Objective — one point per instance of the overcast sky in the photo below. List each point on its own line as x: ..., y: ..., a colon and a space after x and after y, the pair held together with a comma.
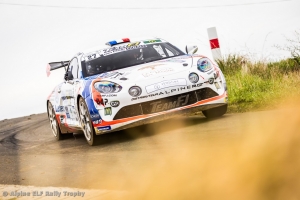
x: 35, y: 32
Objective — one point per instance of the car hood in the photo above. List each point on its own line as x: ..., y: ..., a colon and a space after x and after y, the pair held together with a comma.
x: 151, y: 70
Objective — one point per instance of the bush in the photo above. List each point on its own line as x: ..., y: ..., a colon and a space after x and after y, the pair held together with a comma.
x: 259, y: 85
x: 293, y: 46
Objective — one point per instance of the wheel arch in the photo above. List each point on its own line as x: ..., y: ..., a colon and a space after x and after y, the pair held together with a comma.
x: 77, y: 102
x: 47, y: 106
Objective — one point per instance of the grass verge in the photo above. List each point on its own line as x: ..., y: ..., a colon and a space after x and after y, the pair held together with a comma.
x: 259, y: 85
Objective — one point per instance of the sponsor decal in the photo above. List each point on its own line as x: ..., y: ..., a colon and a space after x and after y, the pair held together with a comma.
x: 115, y: 103
x: 133, y: 44
x: 62, y: 118
x: 107, y: 111
x: 97, y: 121
x: 105, y: 101
x: 67, y: 112
x: 95, y: 116
x: 66, y: 97
x: 70, y: 112
x: 174, y: 61
x: 156, y: 71
x: 151, y: 41
x: 112, y: 74
x: 109, y: 95
x: 170, y: 91
x: 60, y: 109
x: 211, y: 80
x: 126, y: 47
x: 217, y: 85
x: 150, y: 67
x: 165, y: 84
x: 108, y: 74
x: 104, y: 128
x: 216, y: 75
x: 158, y: 106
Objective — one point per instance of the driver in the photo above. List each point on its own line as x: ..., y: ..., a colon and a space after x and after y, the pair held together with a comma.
x: 138, y: 54
x: 91, y: 70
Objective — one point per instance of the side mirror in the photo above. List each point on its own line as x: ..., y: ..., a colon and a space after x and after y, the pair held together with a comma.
x: 68, y: 76
x: 191, y: 49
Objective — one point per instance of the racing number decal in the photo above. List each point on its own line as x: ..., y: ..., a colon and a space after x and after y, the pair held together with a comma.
x: 92, y: 56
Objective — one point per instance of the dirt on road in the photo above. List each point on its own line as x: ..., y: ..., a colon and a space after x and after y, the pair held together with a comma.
x: 251, y: 155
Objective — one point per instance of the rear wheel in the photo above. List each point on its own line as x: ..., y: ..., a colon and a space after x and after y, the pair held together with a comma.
x: 54, y: 124
x: 215, y: 112
x: 86, y: 123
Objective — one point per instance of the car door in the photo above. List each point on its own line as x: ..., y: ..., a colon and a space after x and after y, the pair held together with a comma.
x: 68, y: 92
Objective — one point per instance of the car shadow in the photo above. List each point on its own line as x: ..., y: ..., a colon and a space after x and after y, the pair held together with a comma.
x: 150, y: 130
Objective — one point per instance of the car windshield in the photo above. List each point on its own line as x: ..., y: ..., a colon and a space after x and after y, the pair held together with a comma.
x: 127, y: 55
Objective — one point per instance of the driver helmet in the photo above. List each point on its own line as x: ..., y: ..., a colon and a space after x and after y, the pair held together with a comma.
x: 90, y: 69
x: 138, y: 54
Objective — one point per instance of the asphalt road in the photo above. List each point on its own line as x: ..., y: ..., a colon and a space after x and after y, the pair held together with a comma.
x: 30, y: 155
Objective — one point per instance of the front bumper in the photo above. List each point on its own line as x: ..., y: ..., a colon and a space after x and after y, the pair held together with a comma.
x: 135, y: 115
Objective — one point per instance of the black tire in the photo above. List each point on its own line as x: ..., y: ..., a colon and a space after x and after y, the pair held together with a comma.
x: 54, y: 125
x: 86, y: 122
x: 215, y: 112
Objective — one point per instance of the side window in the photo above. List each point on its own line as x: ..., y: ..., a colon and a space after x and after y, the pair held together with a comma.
x: 73, y: 67
x: 171, y: 51
x: 159, y: 50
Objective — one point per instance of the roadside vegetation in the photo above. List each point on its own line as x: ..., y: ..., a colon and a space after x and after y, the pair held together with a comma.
x: 262, y: 85
x: 259, y: 85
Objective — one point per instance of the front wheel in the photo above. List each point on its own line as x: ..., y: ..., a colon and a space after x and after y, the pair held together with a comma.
x: 86, y: 123
x: 215, y: 112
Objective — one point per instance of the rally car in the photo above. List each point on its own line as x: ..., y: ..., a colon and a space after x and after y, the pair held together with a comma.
x: 128, y: 83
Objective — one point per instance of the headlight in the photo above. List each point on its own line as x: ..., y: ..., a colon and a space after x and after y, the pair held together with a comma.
x: 107, y: 87
x: 135, y: 91
x: 204, y: 65
x: 193, y: 77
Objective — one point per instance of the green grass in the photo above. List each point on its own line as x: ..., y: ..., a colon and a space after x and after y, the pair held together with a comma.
x: 259, y: 85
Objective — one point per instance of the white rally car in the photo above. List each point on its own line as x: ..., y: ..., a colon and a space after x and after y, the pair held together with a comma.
x: 128, y: 83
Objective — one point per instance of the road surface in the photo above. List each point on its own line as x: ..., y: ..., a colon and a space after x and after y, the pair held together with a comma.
x: 123, y: 160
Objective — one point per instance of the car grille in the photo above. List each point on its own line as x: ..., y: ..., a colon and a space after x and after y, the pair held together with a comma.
x: 165, y: 104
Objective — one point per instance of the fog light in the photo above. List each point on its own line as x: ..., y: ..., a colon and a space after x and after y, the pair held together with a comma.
x: 135, y: 91
x: 193, y: 77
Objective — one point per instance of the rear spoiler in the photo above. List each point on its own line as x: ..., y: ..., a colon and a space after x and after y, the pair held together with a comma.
x: 56, y: 65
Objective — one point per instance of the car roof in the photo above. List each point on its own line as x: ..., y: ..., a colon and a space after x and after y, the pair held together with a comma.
x: 132, y: 40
